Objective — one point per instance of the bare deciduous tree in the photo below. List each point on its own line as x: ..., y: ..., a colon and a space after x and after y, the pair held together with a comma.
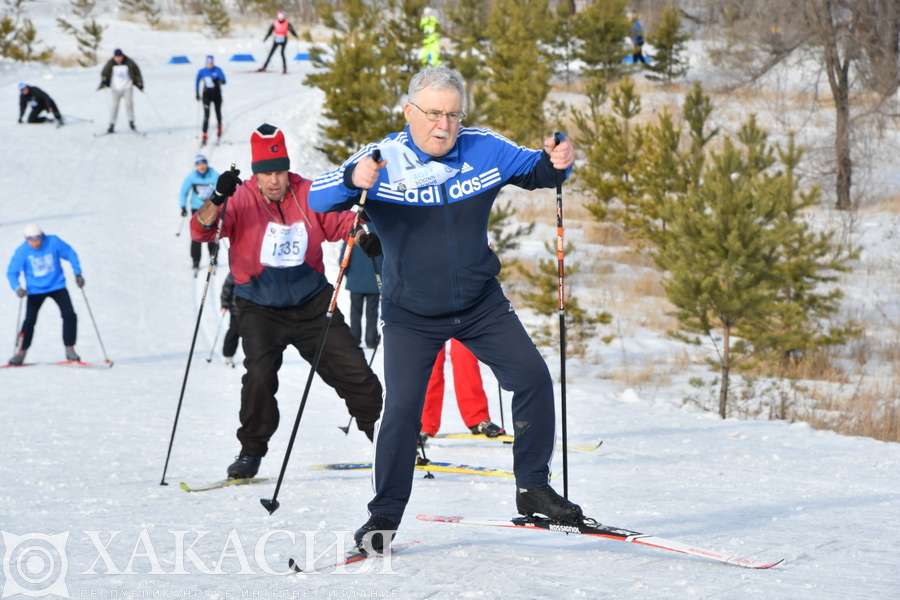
x: 854, y: 42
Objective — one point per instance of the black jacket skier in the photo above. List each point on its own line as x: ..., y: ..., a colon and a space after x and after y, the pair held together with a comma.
x: 39, y: 101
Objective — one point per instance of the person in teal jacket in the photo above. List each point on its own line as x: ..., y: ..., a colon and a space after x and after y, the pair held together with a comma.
x: 198, y: 187
x: 38, y: 259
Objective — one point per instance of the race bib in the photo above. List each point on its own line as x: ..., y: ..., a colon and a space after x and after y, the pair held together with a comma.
x: 42, y: 265
x: 33, y: 104
x: 205, y: 191
x: 279, y: 39
x: 208, y: 82
x: 284, y: 246
x: 406, y: 171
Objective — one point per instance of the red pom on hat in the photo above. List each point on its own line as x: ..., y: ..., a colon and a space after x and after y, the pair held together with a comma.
x: 268, y: 150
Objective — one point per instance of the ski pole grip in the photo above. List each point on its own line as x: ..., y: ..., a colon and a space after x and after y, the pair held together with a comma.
x: 558, y: 137
x: 376, y: 155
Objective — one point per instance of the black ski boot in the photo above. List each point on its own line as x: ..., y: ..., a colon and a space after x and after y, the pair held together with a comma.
x: 112, y: 129
x: 488, y: 429
x: 18, y: 358
x: 368, y: 537
x: 131, y: 124
x: 546, y: 501
x: 71, y: 355
x: 244, y: 467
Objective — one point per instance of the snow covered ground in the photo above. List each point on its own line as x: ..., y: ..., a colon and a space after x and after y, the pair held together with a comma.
x: 85, y: 448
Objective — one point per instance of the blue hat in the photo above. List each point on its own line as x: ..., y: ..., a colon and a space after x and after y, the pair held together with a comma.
x: 22, y: 86
x: 117, y: 52
x: 200, y: 159
x: 209, y: 58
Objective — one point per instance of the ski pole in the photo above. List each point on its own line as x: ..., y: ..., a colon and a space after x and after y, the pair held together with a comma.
x: 79, y: 119
x: 212, y: 263
x: 159, y: 116
x: 346, y: 429
x: 560, y: 251
x: 218, y: 331
x: 272, y: 505
x: 18, y: 325
x: 90, y: 312
x: 181, y: 226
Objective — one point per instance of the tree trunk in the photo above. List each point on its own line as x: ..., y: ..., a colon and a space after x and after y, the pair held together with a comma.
x: 726, y: 367
x: 838, y: 79
x: 842, y: 149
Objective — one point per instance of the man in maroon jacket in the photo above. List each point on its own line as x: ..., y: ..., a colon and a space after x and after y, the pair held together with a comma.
x: 282, y: 293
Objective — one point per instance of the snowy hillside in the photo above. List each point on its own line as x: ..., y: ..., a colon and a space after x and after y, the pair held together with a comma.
x: 85, y: 447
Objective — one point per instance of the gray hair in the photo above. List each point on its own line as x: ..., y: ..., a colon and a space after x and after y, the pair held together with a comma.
x: 438, y: 79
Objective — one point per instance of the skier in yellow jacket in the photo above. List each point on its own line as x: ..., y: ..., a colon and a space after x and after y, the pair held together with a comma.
x: 431, y: 43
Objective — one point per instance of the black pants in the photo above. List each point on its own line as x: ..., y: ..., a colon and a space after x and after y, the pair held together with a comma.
x: 231, y: 336
x: 638, y: 56
x: 356, y: 311
x: 195, y: 246
x: 33, y: 305
x: 212, y: 96
x: 272, y: 51
x: 265, y: 334
x: 34, y: 115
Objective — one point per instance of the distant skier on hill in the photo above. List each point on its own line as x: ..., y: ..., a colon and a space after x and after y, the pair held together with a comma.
x: 213, y: 79
x: 39, y: 101
x: 280, y: 27
x: 199, y: 186
x: 120, y: 74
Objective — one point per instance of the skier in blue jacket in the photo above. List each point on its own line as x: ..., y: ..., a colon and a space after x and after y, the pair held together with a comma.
x: 213, y: 79
x: 431, y: 208
x: 199, y: 186
x: 38, y: 258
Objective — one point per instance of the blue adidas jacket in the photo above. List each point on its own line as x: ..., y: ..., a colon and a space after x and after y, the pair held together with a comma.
x: 211, y: 78
x: 437, y: 262
x: 199, y: 187
x: 43, y: 271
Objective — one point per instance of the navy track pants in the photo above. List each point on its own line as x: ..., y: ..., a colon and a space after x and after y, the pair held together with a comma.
x: 497, y: 338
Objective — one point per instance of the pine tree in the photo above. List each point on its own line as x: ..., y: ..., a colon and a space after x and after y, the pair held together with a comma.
x: 519, y: 71
x: 362, y: 85
x: 609, y: 144
x: 147, y: 8
x: 215, y: 16
x: 467, y: 32
x: 543, y: 280
x: 669, y: 61
x: 564, y: 41
x: 602, y: 26
x: 743, y: 265
x: 18, y: 35
x: 504, y: 237
x: 404, y: 33
x: 87, y: 37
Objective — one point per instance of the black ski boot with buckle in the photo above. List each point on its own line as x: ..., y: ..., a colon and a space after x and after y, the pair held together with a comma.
x: 546, y: 501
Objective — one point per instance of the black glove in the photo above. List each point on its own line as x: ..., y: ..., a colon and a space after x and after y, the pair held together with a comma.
x: 226, y: 186
x: 370, y: 244
x: 183, y: 211
x: 79, y: 280
x: 21, y: 292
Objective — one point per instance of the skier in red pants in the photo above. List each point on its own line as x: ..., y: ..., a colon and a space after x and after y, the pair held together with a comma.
x: 470, y: 397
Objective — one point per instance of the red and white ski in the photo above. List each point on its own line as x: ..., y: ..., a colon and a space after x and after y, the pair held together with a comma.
x: 592, y: 527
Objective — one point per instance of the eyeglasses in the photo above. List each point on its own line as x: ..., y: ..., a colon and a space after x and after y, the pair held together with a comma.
x: 436, y: 115
x: 34, y: 238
